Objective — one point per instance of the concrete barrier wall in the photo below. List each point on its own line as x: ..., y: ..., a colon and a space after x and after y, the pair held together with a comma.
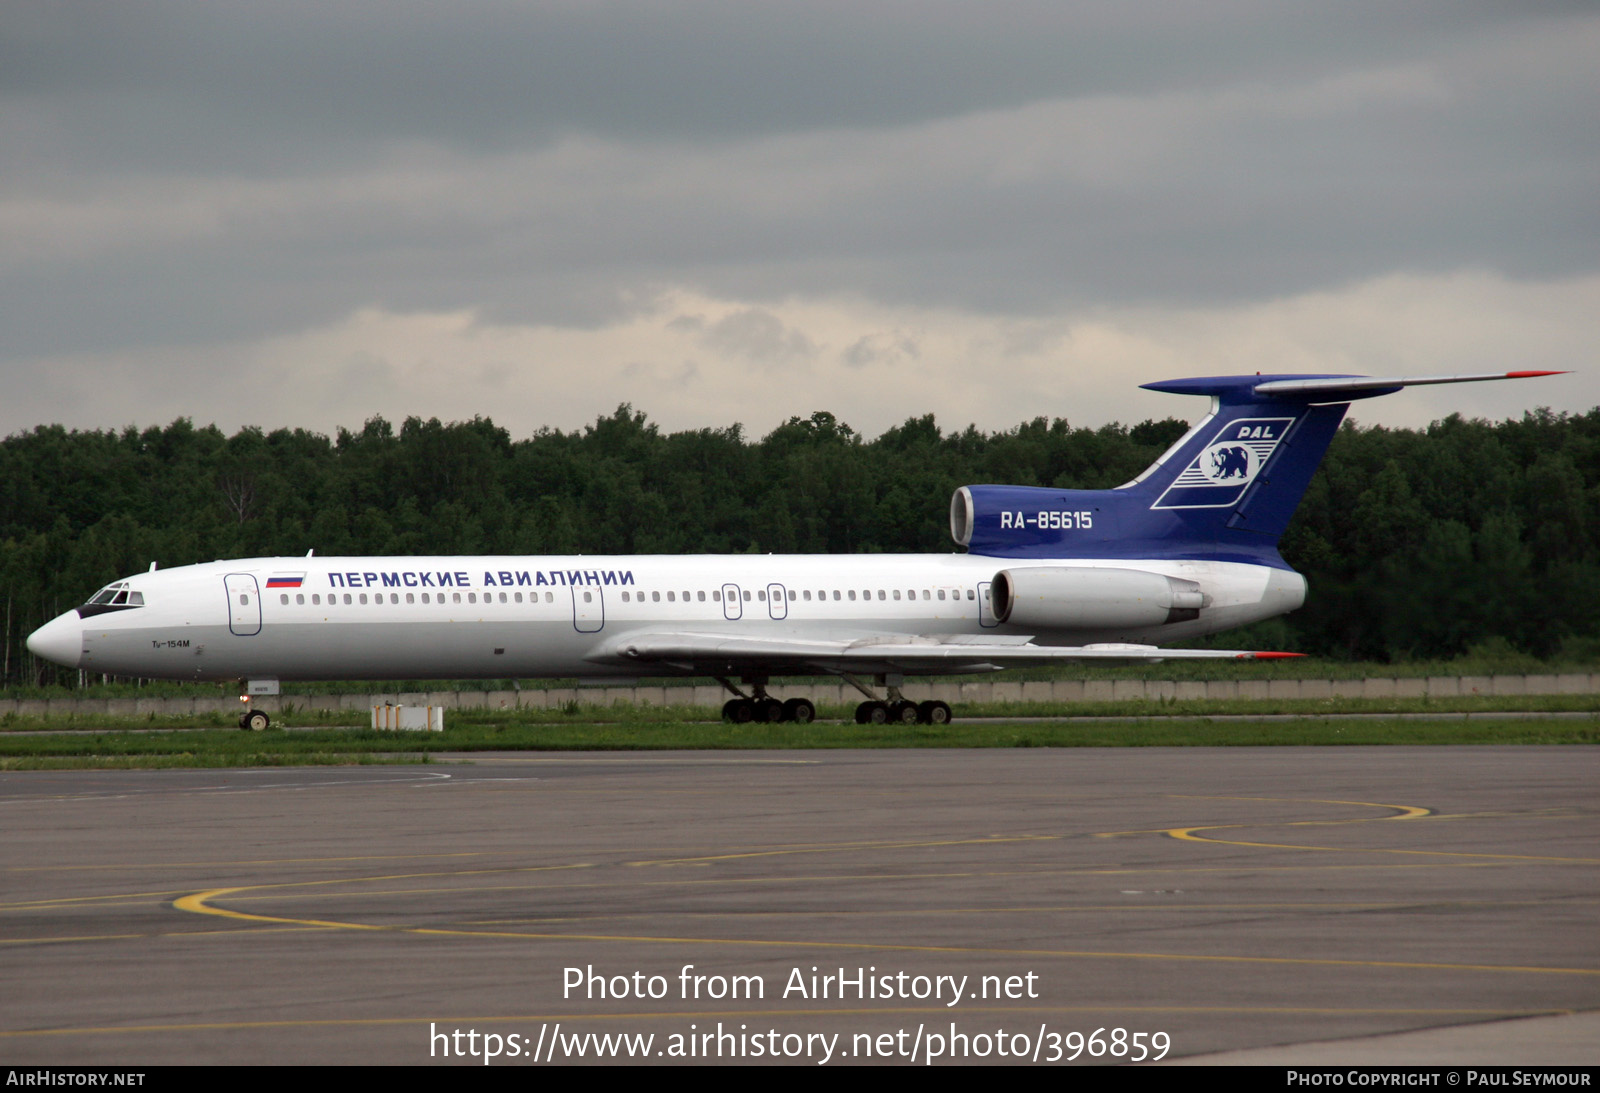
x: 979, y: 690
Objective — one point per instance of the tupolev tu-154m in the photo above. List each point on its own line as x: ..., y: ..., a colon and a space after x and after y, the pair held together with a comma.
x: 1188, y: 548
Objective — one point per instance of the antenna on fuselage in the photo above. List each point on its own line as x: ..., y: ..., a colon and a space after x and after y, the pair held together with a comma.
x: 152, y: 567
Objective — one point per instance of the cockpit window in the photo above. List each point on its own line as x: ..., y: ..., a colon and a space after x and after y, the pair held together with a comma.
x: 108, y: 593
x: 113, y: 597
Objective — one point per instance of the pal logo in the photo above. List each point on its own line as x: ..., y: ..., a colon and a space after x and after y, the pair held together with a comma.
x: 1217, y: 477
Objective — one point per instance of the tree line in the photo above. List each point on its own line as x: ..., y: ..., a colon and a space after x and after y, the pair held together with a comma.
x: 1416, y: 543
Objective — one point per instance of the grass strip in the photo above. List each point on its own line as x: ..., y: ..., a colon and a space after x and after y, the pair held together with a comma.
x: 332, y: 747
x: 577, y: 714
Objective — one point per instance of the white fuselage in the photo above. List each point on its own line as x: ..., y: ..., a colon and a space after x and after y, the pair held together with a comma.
x: 508, y: 617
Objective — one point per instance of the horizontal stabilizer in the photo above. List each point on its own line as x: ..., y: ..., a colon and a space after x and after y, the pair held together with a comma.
x: 1351, y: 387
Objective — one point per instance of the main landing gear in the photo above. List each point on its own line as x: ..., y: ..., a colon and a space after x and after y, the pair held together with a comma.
x: 898, y: 710
x: 762, y: 707
x: 903, y: 712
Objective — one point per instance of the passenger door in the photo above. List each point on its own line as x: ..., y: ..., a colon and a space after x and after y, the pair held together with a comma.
x: 588, y: 608
x: 244, y: 604
x: 777, y: 601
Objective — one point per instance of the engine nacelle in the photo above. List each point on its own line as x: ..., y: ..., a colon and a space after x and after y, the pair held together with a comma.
x: 1087, y: 598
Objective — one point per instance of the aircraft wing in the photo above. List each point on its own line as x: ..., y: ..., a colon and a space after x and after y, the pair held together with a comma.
x: 721, y: 654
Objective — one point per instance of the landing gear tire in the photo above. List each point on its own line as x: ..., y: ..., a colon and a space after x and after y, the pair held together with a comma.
x: 934, y: 713
x: 255, y: 721
x: 872, y: 713
x: 769, y: 711
x: 741, y: 711
x: 903, y: 712
x: 800, y: 711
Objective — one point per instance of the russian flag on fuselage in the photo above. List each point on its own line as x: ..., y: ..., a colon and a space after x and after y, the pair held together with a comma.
x: 285, y: 580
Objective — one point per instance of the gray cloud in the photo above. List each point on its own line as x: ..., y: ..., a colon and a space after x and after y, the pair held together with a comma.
x: 181, y: 173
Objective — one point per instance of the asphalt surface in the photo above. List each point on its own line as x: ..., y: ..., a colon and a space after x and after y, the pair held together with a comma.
x: 1332, y: 905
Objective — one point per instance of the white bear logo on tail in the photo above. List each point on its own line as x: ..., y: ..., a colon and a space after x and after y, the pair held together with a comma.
x: 1229, y: 463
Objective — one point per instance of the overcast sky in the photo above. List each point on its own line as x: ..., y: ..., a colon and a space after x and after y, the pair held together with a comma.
x: 307, y: 214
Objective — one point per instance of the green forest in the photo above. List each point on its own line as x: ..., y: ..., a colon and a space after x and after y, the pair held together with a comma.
x: 1416, y: 543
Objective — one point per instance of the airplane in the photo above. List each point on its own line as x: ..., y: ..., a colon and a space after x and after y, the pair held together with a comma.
x: 1188, y: 548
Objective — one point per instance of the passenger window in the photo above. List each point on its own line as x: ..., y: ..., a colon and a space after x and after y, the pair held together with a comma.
x: 925, y: 594
x: 671, y: 598
x: 299, y: 599
x: 686, y: 597
x: 394, y: 597
x: 347, y: 597
x: 881, y: 596
x: 791, y: 595
x: 808, y: 595
x: 316, y: 598
x: 502, y: 597
x: 702, y: 596
x: 655, y: 597
x: 518, y: 597
x: 762, y: 596
x: 244, y: 601
x: 588, y: 597
x: 852, y: 593
x: 970, y: 596
x: 747, y: 597
x: 455, y: 596
x: 897, y: 593
x: 283, y: 598
x: 363, y: 597
x: 836, y: 594
x: 941, y: 593
x: 716, y: 596
x: 411, y: 597
x: 549, y: 597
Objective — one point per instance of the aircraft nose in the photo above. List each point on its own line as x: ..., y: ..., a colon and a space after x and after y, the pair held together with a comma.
x: 59, y: 640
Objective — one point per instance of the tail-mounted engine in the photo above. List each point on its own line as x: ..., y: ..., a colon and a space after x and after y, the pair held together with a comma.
x: 1092, y: 598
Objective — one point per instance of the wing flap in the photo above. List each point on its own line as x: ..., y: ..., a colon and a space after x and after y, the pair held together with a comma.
x: 718, y: 653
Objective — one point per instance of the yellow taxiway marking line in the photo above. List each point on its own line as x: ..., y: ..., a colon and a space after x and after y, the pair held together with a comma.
x: 627, y: 762
x: 144, y: 898
x: 60, y: 901
x: 824, y: 848
x: 1401, y: 812
x: 146, y: 937
x: 245, y: 861
x: 685, y: 1015
x: 200, y: 903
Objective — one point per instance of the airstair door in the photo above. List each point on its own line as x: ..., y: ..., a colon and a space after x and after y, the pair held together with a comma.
x: 986, y: 606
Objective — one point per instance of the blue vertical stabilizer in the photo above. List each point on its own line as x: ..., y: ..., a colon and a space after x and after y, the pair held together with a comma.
x: 1224, y: 492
